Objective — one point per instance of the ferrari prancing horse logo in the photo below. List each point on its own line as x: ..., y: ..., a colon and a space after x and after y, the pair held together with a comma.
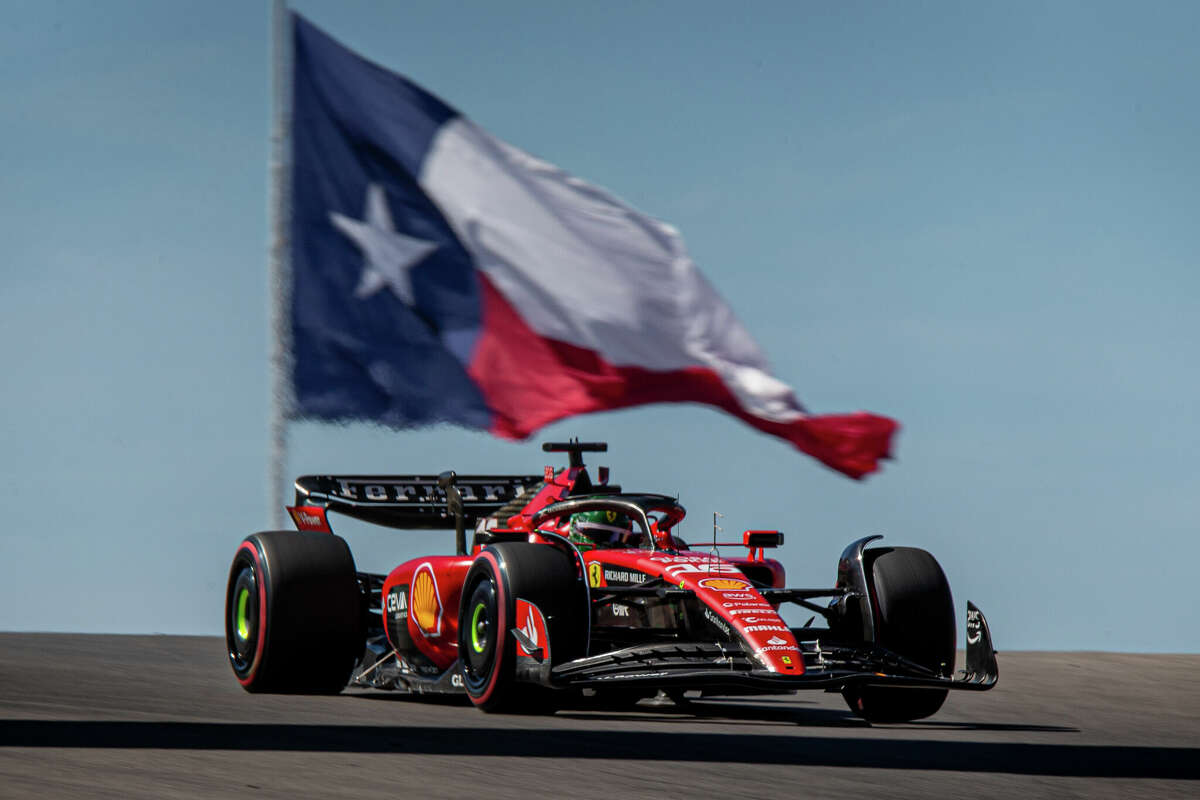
x: 596, y: 574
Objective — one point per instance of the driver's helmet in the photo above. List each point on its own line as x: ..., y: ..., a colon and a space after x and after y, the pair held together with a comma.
x: 600, y: 529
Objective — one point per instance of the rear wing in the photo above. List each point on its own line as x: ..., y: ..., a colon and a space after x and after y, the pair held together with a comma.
x: 413, y: 501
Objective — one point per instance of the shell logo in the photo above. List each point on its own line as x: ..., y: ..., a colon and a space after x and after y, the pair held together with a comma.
x: 424, y: 602
x: 725, y: 584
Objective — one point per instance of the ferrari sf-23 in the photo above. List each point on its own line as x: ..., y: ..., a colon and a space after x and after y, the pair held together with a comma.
x: 575, y: 591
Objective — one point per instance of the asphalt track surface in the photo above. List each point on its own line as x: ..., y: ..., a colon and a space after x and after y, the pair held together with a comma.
x: 162, y: 717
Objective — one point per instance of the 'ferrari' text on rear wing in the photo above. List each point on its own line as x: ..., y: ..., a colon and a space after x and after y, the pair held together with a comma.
x: 411, y: 501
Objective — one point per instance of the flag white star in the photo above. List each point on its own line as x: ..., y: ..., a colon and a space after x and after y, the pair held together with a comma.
x: 389, y: 256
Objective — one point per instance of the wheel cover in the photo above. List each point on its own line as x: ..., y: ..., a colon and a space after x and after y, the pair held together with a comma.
x: 479, y: 627
x: 478, y: 637
x: 242, y: 622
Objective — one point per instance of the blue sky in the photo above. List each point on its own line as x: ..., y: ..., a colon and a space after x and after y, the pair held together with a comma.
x: 977, y: 220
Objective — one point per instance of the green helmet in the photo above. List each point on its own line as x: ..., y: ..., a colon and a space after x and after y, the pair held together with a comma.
x: 600, y: 528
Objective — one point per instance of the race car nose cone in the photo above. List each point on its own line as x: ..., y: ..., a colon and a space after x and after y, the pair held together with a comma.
x: 734, y: 608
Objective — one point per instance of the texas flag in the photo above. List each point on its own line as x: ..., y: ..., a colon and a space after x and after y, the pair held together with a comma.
x: 439, y: 274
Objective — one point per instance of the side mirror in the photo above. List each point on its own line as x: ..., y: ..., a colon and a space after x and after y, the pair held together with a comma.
x: 757, y: 539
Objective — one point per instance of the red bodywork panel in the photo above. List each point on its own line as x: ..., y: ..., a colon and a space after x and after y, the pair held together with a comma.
x: 310, y: 518
x: 556, y: 488
x: 532, y: 623
x: 433, y: 592
x: 732, y: 603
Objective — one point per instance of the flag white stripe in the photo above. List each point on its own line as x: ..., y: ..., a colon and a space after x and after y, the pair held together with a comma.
x: 584, y: 268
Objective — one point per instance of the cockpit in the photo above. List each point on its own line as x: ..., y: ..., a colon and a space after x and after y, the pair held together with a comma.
x: 619, y: 521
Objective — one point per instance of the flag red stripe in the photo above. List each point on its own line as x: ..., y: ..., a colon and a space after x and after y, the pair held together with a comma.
x: 529, y: 381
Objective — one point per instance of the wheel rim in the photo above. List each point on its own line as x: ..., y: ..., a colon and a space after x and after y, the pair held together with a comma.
x: 243, y: 624
x: 479, y: 635
x: 243, y: 620
x: 479, y: 628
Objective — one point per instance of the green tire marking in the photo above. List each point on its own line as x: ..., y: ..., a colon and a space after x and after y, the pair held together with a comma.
x: 243, y: 624
x: 476, y: 643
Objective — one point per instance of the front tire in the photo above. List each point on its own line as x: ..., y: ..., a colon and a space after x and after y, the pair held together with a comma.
x: 540, y: 574
x: 916, y: 620
x: 293, y: 613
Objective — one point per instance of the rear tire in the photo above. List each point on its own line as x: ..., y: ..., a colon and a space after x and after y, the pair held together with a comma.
x: 916, y: 620
x: 293, y: 613
x: 540, y: 574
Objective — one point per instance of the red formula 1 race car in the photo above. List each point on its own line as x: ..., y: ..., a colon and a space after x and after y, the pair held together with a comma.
x: 574, y: 591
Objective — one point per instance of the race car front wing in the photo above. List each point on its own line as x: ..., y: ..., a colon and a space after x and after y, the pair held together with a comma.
x: 709, y: 665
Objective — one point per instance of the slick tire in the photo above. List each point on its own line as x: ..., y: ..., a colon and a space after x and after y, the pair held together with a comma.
x: 293, y: 613
x: 916, y: 620
x: 540, y: 574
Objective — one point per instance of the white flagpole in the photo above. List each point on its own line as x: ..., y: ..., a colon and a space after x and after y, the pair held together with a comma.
x: 279, y: 269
